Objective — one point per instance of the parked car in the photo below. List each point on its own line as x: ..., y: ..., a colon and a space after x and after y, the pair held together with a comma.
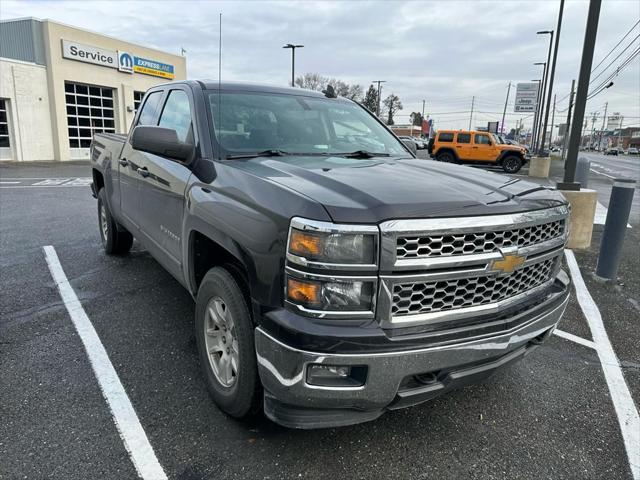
x: 476, y: 147
x: 632, y: 151
x: 419, y: 143
x: 611, y: 151
x: 335, y: 275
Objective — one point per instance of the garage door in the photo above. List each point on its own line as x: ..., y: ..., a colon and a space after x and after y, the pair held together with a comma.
x: 5, y: 141
x: 89, y: 111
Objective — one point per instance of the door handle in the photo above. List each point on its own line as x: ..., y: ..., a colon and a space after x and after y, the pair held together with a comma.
x: 143, y: 172
x: 124, y: 162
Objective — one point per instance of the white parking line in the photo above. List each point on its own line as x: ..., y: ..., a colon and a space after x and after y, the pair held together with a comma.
x: 601, y: 173
x: 574, y: 338
x: 131, y: 431
x: 623, y: 404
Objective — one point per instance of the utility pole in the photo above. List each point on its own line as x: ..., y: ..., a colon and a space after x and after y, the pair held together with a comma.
x: 504, y: 112
x: 619, y: 146
x: 604, y: 119
x: 553, y: 121
x: 565, y: 140
x: 423, y: 102
x: 379, y: 82
x: 473, y: 100
x: 593, y: 128
x: 553, y: 68
x: 581, y: 96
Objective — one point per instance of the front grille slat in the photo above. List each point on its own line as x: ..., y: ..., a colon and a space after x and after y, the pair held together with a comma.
x: 426, y: 297
x: 429, y: 246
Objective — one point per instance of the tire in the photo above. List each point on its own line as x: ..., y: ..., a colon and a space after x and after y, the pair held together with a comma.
x: 224, y: 327
x: 115, y: 239
x: 512, y: 164
x: 446, y: 157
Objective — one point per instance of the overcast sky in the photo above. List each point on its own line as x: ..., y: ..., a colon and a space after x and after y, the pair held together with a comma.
x: 443, y: 52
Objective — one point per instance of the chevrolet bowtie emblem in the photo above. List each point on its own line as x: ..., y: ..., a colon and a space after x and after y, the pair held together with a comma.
x: 507, y: 264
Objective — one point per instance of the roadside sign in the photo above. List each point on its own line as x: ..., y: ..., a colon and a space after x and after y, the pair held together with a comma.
x: 526, y: 96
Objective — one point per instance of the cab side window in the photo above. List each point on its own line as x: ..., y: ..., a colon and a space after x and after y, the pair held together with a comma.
x: 482, y: 140
x: 464, y: 138
x: 176, y: 115
x: 148, y: 113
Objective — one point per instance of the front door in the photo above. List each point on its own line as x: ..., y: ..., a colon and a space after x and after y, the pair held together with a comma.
x: 484, y: 148
x: 163, y: 187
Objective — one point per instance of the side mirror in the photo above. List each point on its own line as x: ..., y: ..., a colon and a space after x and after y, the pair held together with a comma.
x: 161, y: 141
x: 411, y: 145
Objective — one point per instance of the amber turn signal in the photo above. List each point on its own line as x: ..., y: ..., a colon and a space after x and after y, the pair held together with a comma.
x: 304, y: 243
x: 303, y: 292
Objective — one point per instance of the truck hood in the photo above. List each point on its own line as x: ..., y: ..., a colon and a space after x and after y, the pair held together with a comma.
x: 378, y: 189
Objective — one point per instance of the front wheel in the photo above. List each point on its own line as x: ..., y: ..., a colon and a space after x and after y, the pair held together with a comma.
x: 512, y: 164
x: 224, y: 333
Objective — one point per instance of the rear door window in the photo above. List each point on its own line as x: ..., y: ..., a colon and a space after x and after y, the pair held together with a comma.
x: 464, y: 138
x: 148, y: 113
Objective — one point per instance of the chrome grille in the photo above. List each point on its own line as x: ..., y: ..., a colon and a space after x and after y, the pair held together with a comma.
x: 426, y: 246
x: 436, y: 296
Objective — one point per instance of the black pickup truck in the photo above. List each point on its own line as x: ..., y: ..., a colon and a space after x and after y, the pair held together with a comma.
x: 335, y: 275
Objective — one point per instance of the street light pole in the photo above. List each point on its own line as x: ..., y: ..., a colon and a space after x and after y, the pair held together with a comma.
x: 545, y: 82
x: 534, y: 128
x: 293, y: 60
x: 581, y: 96
x: 553, y: 68
x: 565, y: 140
x: 606, y: 105
x: 473, y: 101
x: 553, y: 121
x: 504, y: 112
x: 379, y: 82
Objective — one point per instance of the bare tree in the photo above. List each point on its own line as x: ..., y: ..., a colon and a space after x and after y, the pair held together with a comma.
x: 315, y: 81
x: 311, y: 81
x: 392, y: 105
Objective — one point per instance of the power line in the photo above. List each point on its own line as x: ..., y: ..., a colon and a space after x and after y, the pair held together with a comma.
x: 612, y: 61
x: 616, y: 46
x: 604, y: 85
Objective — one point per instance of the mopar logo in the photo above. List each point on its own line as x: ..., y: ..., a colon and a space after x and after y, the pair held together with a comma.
x: 125, y: 62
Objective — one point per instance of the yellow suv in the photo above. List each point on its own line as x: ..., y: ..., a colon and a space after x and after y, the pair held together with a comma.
x: 461, y: 146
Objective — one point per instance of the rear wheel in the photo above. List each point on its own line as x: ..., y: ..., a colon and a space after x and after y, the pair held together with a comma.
x: 512, y: 164
x: 115, y: 239
x: 446, y: 157
x: 224, y: 333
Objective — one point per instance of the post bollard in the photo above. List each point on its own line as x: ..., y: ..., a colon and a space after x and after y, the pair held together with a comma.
x: 583, y: 166
x: 615, y: 227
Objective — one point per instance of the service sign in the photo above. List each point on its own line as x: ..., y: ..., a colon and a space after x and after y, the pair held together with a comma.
x: 152, y: 67
x: 526, y: 97
x: 125, y: 62
x: 89, y: 54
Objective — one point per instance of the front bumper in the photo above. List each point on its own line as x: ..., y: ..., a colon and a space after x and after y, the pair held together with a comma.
x: 292, y: 402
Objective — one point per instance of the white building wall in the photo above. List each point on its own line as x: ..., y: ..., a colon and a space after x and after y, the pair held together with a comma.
x: 25, y: 87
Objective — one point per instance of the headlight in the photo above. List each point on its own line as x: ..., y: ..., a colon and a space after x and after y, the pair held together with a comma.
x: 327, y: 245
x: 320, y: 293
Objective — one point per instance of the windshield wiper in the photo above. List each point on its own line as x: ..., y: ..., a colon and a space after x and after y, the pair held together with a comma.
x: 264, y: 153
x: 361, y: 154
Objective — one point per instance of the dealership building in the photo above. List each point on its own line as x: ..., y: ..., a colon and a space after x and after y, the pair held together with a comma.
x: 61, y: 84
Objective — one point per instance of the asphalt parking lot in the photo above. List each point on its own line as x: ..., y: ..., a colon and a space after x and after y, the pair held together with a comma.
x: 553, y: 415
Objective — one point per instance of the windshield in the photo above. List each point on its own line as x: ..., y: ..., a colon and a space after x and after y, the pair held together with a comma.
x: 296, y: 124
